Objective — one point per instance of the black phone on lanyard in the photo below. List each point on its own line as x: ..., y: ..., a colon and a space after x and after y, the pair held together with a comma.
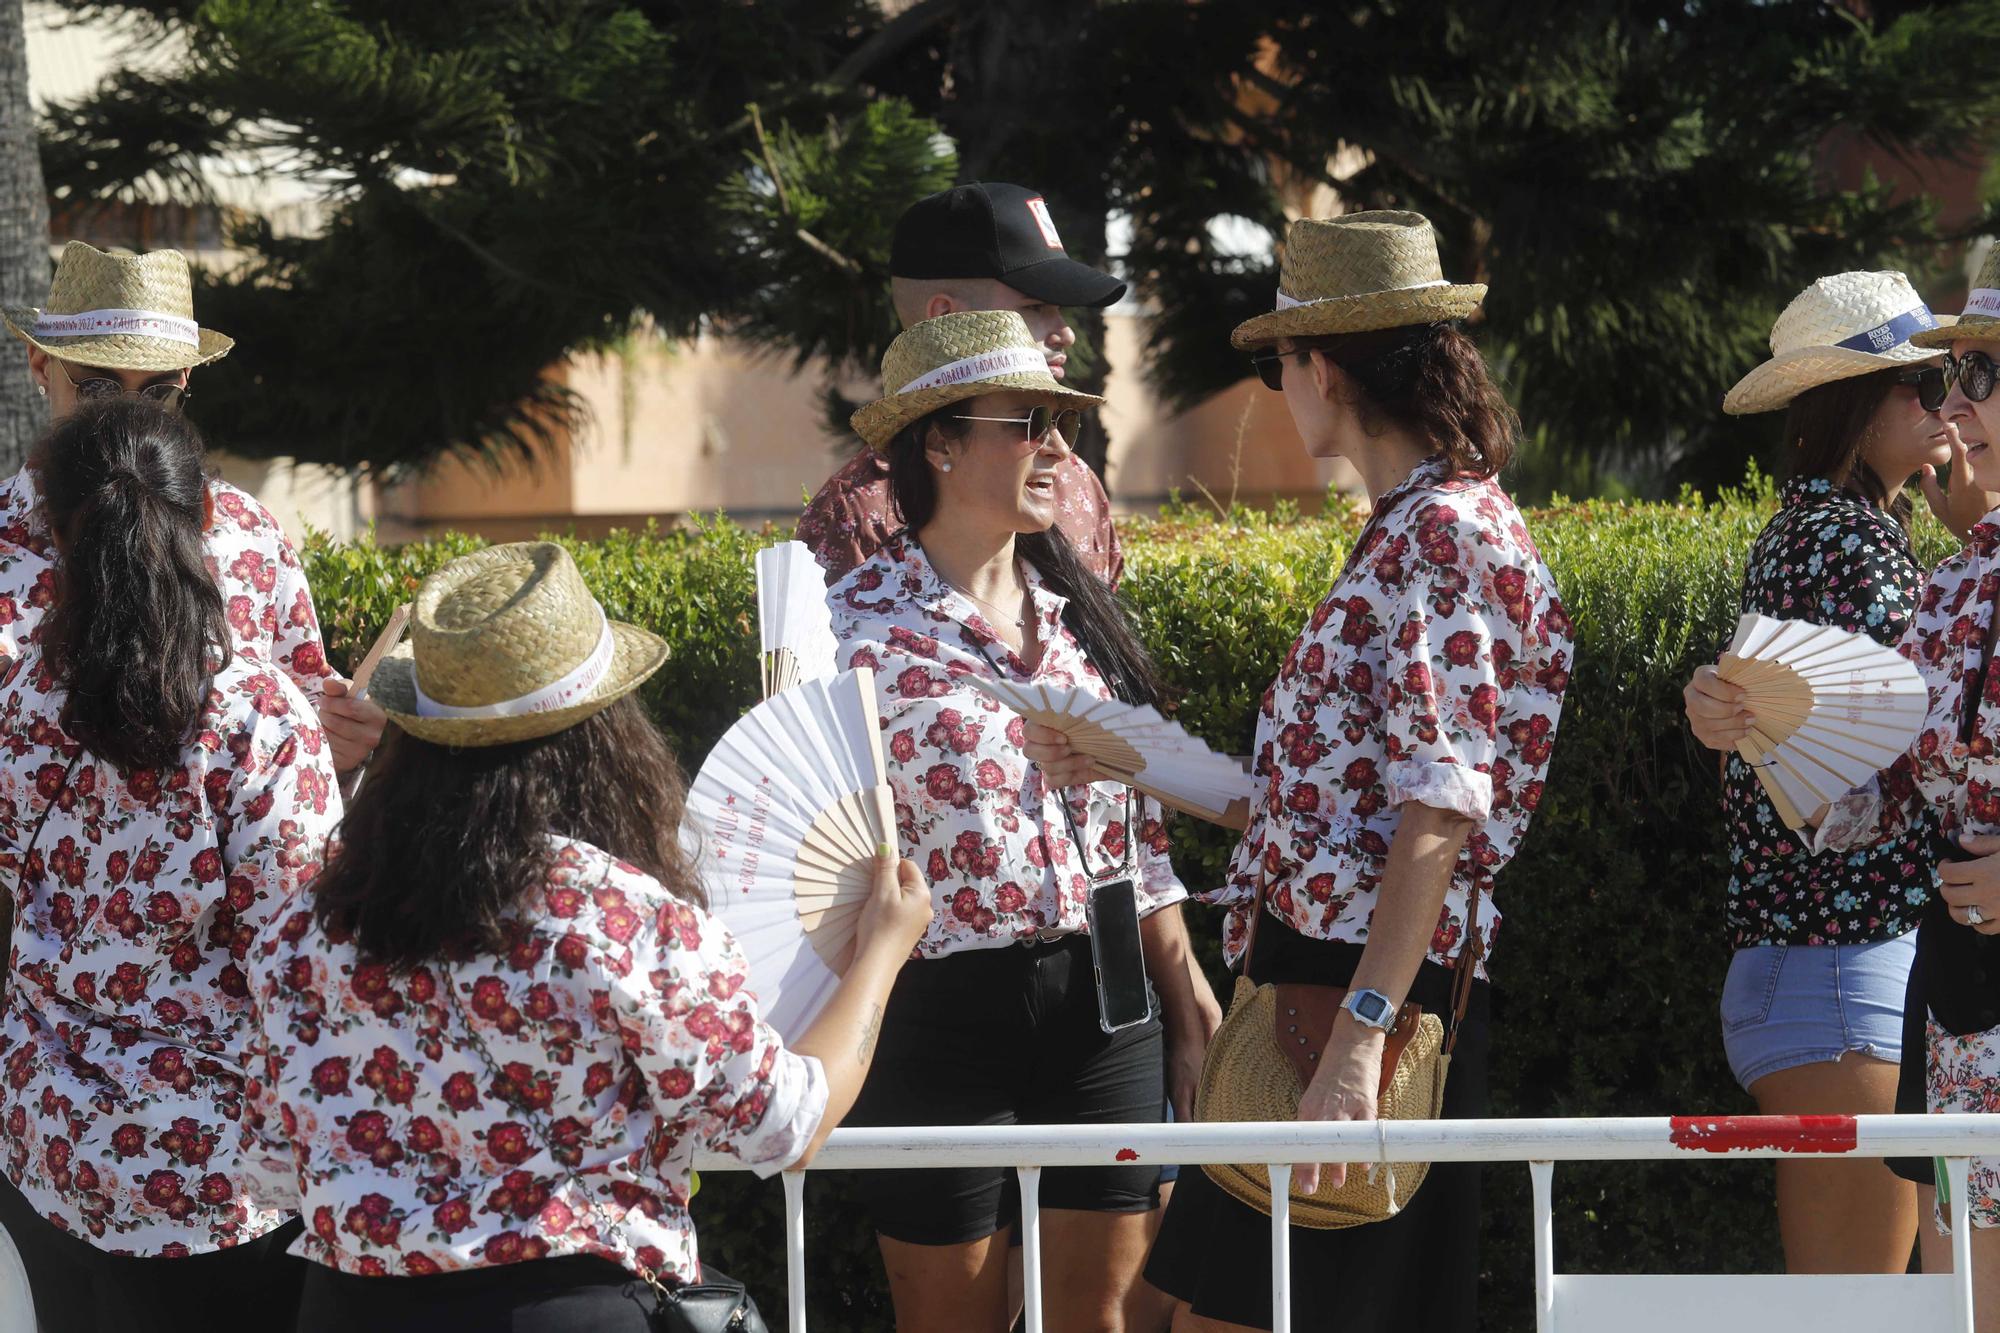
x: 1119, y: 957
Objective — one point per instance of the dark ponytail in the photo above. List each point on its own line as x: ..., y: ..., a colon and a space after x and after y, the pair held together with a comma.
x: 1094, y: 614
x: 137, y: 631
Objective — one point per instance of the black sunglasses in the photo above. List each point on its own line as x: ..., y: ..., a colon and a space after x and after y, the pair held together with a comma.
x: 1973, y: 373
x: 1270, y: 367
x: 1932, y: 385
x: 1039, y: 421
x: 172, y: 397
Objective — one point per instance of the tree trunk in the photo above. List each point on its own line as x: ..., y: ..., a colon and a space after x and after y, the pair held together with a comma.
x: 24, y: 235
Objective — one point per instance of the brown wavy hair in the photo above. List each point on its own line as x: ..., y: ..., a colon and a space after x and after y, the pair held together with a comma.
x: 440, y: 845
x: 1428, y: 380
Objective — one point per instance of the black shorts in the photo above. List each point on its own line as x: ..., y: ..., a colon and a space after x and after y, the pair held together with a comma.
x: 1005, y: 1036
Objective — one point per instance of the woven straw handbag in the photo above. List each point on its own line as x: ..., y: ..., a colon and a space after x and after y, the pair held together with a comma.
x: 1263, y: 1056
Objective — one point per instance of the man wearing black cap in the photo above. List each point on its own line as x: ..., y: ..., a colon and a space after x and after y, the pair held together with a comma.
x: 984, y: 246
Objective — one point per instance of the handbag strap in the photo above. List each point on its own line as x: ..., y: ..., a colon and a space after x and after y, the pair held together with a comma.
x: 21, y: 880
x: 1975, y: 687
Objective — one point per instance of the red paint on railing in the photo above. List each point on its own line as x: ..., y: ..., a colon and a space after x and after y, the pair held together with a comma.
x: 1127, y: 1155
x: 1787, y: 1133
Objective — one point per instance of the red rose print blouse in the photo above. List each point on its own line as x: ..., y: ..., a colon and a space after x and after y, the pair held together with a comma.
x: 264, y: 592
x: 1958, y: 781
x: 970, y: 808
x: 855, y: 513
x: 616, y: 1036
x: 128, y: 1013
x: 1433, y: 671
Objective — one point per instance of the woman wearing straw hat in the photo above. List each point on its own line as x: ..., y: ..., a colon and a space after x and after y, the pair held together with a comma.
x: 997, y: 1019
x: 123, y: 325
x: 1403, y: 747
x: 1950, y: 1034
x: 160, y: 795
x: 1812, y: 1009
x: 492, y: 1038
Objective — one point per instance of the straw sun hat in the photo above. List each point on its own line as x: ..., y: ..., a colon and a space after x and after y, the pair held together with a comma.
x: 123, y: 312
x: 506, y: 644
x: 1357, y: 273
x: 1844, y: 325
x: 1982, y: 310
x: 954, y: 357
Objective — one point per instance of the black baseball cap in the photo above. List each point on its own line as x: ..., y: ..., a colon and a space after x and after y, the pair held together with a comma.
x: 990, y: 229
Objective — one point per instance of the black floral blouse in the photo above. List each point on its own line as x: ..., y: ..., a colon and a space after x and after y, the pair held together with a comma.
x: 1832, y: 558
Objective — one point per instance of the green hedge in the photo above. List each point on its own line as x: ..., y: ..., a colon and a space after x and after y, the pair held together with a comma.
x: 1612, y: 961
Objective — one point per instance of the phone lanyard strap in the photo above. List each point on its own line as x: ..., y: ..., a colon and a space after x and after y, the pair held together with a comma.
x: 1123, y: 870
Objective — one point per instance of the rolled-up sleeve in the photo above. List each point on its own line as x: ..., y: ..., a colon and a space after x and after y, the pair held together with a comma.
x: 1440, y: 725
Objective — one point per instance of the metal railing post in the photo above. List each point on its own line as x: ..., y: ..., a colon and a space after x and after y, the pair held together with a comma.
x: 1281, y: 1247
x: 795, y: 1250
x: 1031, y: 1244
x: 1957, y: 1174
x: 1542, y: 1174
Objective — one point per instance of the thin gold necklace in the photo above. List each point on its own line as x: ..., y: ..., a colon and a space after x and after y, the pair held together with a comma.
x: 1017, y: 622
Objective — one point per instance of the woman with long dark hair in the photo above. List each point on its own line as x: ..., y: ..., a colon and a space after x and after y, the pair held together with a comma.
x: 1401, y: 752
x: 160, y: 795
x: 1812, y: 1008
x: 997, y: 1019
x: 492, y: 1038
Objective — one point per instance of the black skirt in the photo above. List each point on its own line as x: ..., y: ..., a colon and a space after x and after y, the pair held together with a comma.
x: 1417, y: 1270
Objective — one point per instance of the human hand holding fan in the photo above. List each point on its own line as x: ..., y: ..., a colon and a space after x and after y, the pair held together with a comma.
x: 794, y: 623
x: 1132, y: 744
x: 784, y: 823
x: 1831, y: 708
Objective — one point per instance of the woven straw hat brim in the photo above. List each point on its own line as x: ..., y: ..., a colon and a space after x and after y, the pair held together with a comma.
x: 880, y: 421
x: 1775, y: 383
x: 636, y: 654
x: 1363, y: 313
x: 1953, y: 327
x: 121, y: 351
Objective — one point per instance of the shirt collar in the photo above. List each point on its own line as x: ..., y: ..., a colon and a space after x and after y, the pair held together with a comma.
x: 931, y: 592
x: 1430, y: 472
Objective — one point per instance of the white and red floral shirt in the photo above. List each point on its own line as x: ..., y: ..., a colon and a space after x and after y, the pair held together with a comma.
x: 970, y: 808
x: 264, y: 592
x: 617, y: 1035
x: 1433, y: 671
x: 128, y: 1013
x: 855, y: 512
x: 1960, y: 782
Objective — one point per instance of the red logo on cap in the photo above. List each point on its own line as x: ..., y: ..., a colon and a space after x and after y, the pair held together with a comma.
x: 1040, y: 209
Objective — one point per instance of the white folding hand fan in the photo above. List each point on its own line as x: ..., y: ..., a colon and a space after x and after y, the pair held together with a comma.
x: 793, y: 620
x: 1132, y: 743
x: 783, y: 823
x: 1832, y: 708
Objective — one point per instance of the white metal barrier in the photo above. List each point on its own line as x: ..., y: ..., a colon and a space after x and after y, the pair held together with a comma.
x: 1565, y: 1303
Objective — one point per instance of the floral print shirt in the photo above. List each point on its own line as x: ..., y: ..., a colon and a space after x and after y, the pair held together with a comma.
x: 970, y: 808
x: 1830, y: 557
x: 264, y: 592
x: 1433, y: 671
x: 1956, y: 783
x: 128, y: 1012
x: 855, y: 513
x: 616, y: 1036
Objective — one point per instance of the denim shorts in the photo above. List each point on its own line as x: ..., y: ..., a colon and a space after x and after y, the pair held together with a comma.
x: 1786, y: 1005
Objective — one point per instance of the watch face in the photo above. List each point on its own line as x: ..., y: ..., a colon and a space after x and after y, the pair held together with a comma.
x: 1371, y: 1008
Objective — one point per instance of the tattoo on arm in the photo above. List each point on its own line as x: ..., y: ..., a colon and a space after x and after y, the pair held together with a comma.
x: 871, y: 1028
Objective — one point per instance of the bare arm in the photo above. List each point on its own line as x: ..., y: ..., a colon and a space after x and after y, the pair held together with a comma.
x: 843, y: 1037
x: 1414, y: 884
x: 1188, y: 1010
x: 1062, y: 766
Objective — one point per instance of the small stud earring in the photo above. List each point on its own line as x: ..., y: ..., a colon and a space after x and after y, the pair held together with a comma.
x: 42, y: 390
x: 944, y: 467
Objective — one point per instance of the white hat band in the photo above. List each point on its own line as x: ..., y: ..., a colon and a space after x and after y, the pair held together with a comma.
x: 984, y: 366
x: 1287, y: 302
x: 108, y: 323
x: 571, y: 689
x: 1984, y: 301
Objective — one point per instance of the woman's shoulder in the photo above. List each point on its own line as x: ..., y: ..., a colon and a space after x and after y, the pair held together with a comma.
x: 592, y: 892
x: 877, y: 585
x: 254, y: 706
x: 1465, y: 522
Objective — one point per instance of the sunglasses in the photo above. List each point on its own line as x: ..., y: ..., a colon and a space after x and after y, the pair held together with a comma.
x: 1973, y: 373
x: 1932, y: 385
x: 1270, y: 367
x: 172, y: 397
x: 1039, y: 421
